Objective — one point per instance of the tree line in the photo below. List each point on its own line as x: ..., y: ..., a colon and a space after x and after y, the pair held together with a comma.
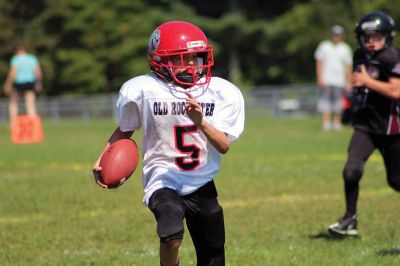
x: 94, y: 46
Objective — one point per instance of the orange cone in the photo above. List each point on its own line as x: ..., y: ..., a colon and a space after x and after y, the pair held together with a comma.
x: 26, y: 129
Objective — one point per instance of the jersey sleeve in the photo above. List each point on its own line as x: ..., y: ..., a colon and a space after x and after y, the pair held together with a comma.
x: 389, y: 60
x: 229, y: 117
x: 393, y: 67
x: 129, y: 108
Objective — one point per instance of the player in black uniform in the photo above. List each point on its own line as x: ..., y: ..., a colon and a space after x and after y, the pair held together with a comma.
x: 376, y: 121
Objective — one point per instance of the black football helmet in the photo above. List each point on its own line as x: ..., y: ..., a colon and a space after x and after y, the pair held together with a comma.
x: 377, y: 21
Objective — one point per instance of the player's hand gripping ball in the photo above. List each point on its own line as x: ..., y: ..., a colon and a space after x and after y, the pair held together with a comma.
x: 118, y: 162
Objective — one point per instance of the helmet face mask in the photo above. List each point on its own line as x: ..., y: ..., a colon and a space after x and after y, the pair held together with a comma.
x: 372, y: 25
x: 374, y: 36
x: 179, y: 52
x: 373, y: 41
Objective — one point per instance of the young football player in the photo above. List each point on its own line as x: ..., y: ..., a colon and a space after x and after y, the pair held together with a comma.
x: 189, y: 119
x: 376, y: 121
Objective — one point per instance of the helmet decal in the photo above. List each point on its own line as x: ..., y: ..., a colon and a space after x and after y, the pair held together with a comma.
x: 154, y: 40
x: 370, y: 25
x: 196, y: 45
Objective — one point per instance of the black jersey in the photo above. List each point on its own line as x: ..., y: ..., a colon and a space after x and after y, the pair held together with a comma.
x: 376, y: 113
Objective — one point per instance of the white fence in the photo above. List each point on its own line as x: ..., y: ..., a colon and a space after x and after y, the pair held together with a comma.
x: 277, y: 101
x: 283, y: 100
x: 65, y: 107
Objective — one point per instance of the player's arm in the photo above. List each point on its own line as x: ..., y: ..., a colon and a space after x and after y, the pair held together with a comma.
x: 390, y: 89
x: 38, y: 75
x: 10, y: 79
x: 117, y: 135
x: 217, y: 138
x: 318, y: 69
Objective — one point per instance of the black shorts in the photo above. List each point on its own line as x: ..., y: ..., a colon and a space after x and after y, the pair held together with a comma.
x: 21, y: 88
x: 204, y: 220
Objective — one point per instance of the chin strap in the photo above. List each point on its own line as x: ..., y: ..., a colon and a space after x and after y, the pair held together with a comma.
x: 189, y: 78
x: 185, y: 77
x: 165, y: 75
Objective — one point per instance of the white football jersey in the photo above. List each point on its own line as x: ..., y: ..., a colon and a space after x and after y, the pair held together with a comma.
x: 176, y: 154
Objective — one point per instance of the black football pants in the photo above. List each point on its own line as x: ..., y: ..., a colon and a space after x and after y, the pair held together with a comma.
x: 204, y: 220
x: 362, y: 145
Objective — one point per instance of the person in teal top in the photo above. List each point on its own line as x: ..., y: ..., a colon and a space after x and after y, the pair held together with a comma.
x: 26, y: 65
x: 24, y: 80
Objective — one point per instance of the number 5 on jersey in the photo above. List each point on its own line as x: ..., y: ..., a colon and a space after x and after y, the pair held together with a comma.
x: 193, y: 150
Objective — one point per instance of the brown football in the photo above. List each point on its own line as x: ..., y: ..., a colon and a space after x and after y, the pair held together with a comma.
x: 118, y: 162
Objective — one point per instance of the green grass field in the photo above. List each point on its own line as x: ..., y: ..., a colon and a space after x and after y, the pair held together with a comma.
x: 280, y: 186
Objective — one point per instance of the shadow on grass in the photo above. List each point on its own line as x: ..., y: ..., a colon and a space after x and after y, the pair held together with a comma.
x: 324, y: 235
x: 389, y: 252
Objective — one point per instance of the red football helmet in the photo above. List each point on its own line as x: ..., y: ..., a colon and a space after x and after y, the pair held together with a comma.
x: 179, y: 52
